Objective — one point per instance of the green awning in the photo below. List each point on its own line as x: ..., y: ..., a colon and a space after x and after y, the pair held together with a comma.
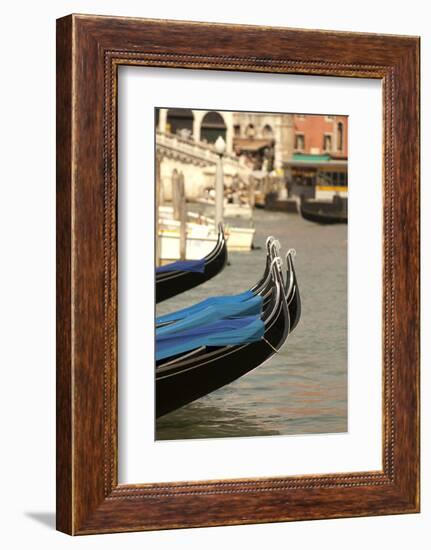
x: 300, y: 157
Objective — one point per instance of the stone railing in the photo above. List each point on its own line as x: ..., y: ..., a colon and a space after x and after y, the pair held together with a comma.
x: 187, y: 151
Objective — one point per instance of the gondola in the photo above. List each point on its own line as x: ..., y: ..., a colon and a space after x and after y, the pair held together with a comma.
x: 324, y: 212
x: 291, y: 287
x: 184, y: 379
x: 171, y: 281
x: 292, y: 291
x: 272, y: 250
x: 266, y: 291
x: 262, y: 288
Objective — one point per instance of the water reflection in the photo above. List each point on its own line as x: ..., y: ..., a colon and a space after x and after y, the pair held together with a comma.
x: 199, y: 419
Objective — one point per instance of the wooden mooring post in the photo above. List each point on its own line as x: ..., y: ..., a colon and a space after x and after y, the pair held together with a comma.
x: 158, y: 191
x: 180, y: 210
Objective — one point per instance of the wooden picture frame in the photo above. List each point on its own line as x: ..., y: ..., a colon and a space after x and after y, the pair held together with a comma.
x: 89, y: 51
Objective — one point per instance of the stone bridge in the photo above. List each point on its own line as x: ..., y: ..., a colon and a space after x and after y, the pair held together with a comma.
x: 197, y: 161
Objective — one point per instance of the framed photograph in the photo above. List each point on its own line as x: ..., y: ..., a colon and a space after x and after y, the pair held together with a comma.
x: 237, y: 274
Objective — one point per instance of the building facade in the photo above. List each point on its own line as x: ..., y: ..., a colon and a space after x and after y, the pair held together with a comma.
x: 260, y: 136
x: 266, y: 139
x: 320, y: 134
x: 292, y: 146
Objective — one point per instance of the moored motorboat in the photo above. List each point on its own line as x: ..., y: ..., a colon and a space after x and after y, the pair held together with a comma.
x: 324, y: 212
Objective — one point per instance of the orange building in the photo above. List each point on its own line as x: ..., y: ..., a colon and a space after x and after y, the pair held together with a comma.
x: 321, y: 134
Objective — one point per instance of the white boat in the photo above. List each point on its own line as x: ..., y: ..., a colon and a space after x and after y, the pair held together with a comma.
x: 200, y: 240
x: 240, y: 238
x: 201, y: 237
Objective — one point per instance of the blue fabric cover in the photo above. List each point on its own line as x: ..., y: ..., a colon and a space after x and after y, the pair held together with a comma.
x: 195, y: 266
x: 213, y: 301
x: 224, y: 332
x: 213, y: 313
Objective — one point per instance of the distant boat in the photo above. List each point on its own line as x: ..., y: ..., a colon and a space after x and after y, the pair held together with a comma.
x: 324, y: 212
x: 177, y: 277
x: 274, y: 204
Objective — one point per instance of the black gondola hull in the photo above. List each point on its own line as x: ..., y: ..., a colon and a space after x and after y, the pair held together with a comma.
x: 322, y: 218
x: 168, y: 287
x: 294, y: 306
x: 189, y: 384
x: 325, y: 212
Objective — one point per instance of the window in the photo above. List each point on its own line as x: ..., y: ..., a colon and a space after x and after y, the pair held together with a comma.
x: 327, y: 142
x: 336, y: 179
x: 237, y: 130
x: 340, y: 136
x: 249, y: 131
x: 299, y: 142
x: 343, y: 179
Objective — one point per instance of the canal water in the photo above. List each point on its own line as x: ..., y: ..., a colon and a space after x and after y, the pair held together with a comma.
x: 303, y: 388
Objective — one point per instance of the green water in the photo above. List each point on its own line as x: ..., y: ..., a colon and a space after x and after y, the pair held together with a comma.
x: 303, y: 388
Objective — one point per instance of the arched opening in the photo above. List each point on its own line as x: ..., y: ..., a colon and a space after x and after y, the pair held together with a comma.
x: 267, y: 132
x: 250, y: 131
x: 180, y: 121
x: 340, y: 136
x: 212, y: 127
